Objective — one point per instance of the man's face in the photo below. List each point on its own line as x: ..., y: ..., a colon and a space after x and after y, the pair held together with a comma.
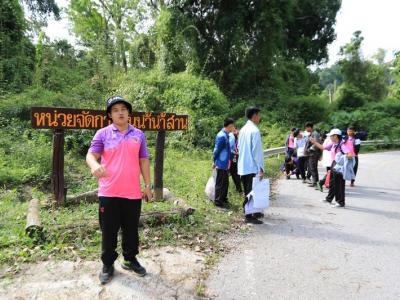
x: 257, y: 118
x: 350, y: 132
x: 119, y: 114
x: 308, y: 129
x: 230, y: 128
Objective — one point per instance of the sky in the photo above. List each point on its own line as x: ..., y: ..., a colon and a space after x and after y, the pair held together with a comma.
x: 378, y: 20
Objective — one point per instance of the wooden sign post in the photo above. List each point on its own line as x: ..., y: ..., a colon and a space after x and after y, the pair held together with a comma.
x: 60, y: 119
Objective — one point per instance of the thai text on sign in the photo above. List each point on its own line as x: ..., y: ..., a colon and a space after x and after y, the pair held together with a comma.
x: 49, y: 117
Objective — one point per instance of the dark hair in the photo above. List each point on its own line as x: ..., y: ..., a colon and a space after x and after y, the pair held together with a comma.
x: 296, y: 132
x: 251, y: 111
x: 351, y: 127
x: 293, y: 129
x: 309, y: 124
x: 228, y: 122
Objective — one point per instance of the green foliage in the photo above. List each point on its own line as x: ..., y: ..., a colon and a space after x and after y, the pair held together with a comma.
x: 369, y: 78
x: 17, y: 53
x: 181, y: 93
x: 381, y: 120
x: 298, y: 110
x: 25, y: 155
x: 350, y: 98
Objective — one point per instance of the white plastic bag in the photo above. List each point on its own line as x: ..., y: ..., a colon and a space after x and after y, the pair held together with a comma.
x: 260, y: 193
x: 249, y: 206
x: 210, y: 186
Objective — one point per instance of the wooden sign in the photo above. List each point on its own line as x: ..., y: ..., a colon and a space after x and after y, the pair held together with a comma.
x: 60, y: 119
x: 68, y: 118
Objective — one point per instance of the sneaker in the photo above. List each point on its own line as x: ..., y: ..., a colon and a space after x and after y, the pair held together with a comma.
x: 297, y: 176
x: 352, y: 184
x: 326, y: 201
x: 320, y: 187
x: 258, y: 215
x: 252, y: 220
x: 287, y: 177
x: 134, y: 266
x: 337, y: 205
x: 106, y: 274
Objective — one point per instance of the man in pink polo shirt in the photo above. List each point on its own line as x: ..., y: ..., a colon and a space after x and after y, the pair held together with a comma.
x: 124, y: 156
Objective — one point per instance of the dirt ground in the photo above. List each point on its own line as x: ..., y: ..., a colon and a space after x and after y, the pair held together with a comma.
x: 172, y: 274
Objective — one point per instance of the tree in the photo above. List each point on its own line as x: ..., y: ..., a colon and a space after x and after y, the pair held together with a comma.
x: 238, y: 41
x: 369, y: 78
x: 106, y: 26
x: 17, y: 53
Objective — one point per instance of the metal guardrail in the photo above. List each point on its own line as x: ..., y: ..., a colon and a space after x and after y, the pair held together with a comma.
x: 281, y: 150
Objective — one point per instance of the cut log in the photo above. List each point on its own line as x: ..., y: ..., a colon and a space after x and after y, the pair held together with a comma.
x: 33, y: 218
x: 184, y: 206
x: 89, y: 197
x: 167, y: 194
x: 158, y: 218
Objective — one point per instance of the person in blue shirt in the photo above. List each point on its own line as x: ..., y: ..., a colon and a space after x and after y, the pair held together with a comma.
x: 251, y: 157
x: 222, y: 156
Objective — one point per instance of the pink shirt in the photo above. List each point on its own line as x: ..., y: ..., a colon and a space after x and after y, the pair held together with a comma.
x: 350, y: 145
x: 291, y: 141
x: 334, y: 149
x: 120, y: 154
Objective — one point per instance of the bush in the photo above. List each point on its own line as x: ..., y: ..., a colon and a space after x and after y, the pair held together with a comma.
x: 181, y: 93
x: 296, y: 111
x: 350, y: 98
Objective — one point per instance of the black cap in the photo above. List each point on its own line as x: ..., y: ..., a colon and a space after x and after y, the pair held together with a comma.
x: 117, y: 99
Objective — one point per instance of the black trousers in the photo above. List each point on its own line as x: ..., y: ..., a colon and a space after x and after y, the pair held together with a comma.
x: 336, y: 188
x: 302, y: 166
x: 313, y: 167
x: 247, y: 181
x: 235, y: 177
x: 114, y: 214
x: 355, y: 167
x: 221, y: 186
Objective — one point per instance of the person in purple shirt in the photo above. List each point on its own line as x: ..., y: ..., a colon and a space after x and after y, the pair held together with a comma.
x: 336, y: 183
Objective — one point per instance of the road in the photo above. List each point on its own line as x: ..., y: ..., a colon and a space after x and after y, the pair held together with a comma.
x: 308, y: 250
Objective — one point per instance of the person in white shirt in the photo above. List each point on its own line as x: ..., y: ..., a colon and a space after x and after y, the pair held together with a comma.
x: 299, y: 144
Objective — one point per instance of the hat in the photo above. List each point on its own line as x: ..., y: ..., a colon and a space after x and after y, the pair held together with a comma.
x: 335, y: 131
x: 117, y: 99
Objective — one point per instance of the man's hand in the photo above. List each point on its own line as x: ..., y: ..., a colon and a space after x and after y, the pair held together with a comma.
x: 349, y: 155
x: 147, y: 194
x: 99, y: 171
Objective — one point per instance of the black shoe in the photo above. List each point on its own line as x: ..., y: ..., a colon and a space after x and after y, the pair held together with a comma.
x: 287, y: 177
x: 252, y: 220
x: 218, y: 204
x: 297, y: 176
x: 304, y: 181
x: 312, y: 185
x: 134, y: 266
x: 258, y: 215
x: 106, y: 274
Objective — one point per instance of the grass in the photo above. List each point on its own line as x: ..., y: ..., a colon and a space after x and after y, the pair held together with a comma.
x: 73, y: 233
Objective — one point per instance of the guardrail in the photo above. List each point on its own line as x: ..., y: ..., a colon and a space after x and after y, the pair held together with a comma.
x: 281, y: 150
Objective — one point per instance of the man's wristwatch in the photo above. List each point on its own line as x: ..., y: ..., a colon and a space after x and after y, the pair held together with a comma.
x: 148, y: 186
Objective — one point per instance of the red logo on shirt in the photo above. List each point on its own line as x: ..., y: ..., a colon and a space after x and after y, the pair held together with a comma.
x: 102, y: 210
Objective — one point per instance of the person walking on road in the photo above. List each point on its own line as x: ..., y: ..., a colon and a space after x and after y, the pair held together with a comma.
x: 299, y: 145
x: 251, y: 157
x: 124, y: 156
x: 353, y: 144
x: 313, y: 153
x: 337, y: 182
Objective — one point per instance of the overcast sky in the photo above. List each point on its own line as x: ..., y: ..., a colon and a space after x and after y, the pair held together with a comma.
x: 379, y: 21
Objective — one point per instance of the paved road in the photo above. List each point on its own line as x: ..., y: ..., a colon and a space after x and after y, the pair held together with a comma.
x: 308, y: 250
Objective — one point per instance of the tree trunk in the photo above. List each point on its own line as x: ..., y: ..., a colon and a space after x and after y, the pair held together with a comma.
x: 33, y: 218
